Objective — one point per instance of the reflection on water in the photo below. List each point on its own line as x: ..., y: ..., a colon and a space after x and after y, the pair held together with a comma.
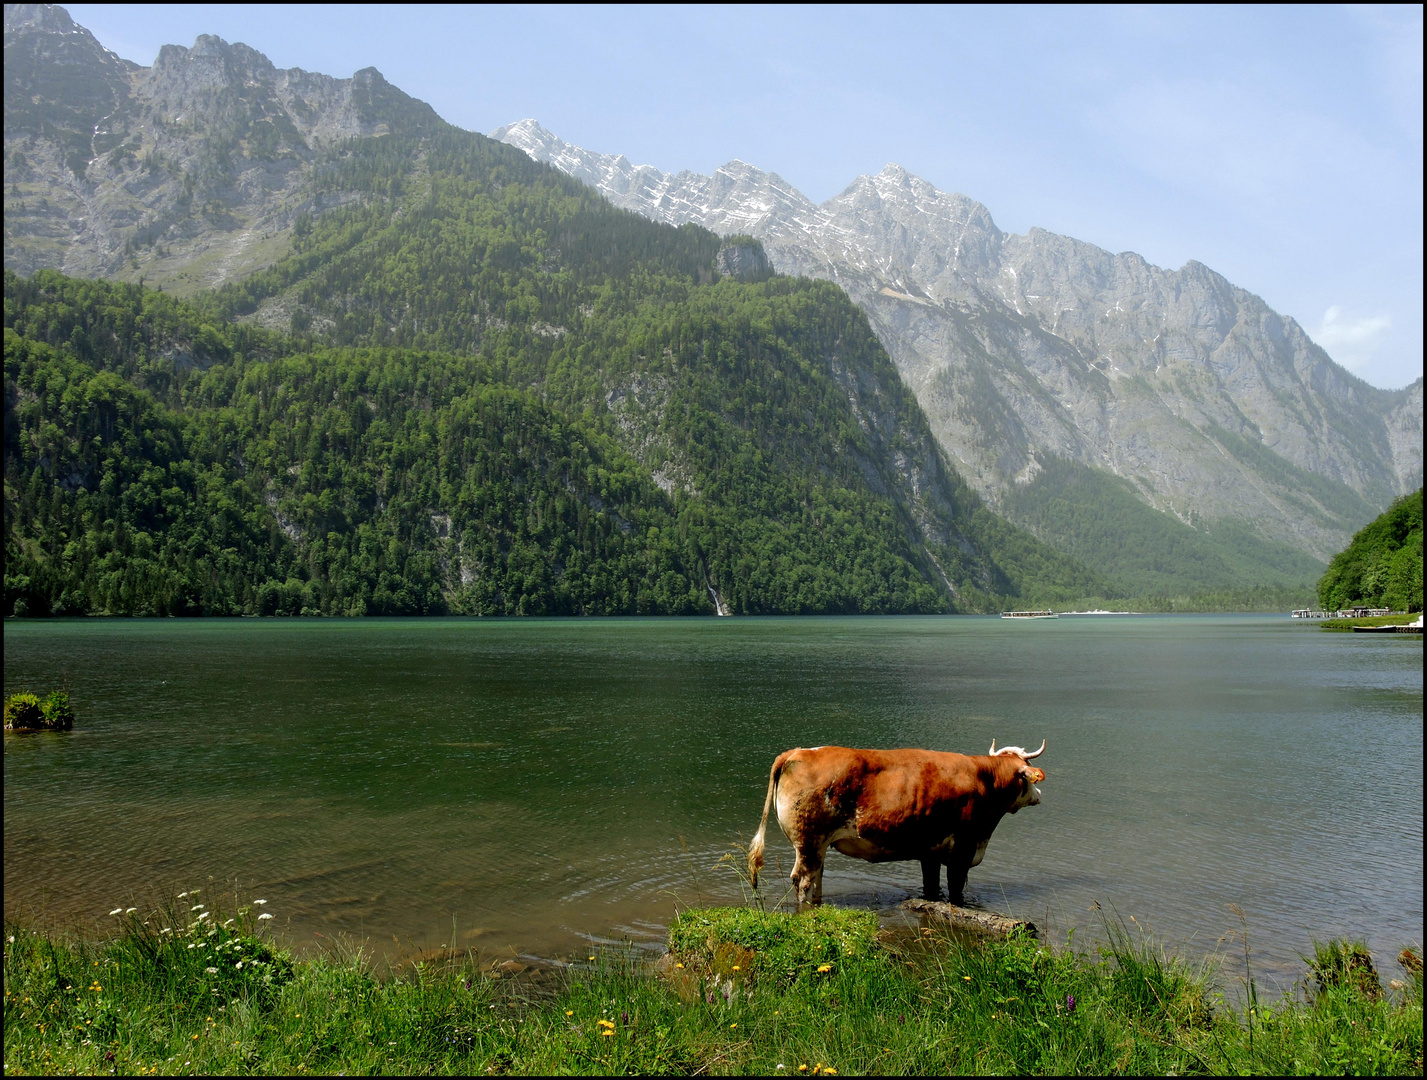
x: 530, y: 786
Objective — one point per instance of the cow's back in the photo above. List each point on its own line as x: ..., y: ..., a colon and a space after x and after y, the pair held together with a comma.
x: 901, y: 801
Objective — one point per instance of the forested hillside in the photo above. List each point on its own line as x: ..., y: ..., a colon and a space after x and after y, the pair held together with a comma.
x: 1098, y: 518
x: 465, y: 382
x: 1382, y: 567
x: 160, y: 461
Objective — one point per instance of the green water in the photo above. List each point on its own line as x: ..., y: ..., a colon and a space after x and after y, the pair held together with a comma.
x: 533, y: 785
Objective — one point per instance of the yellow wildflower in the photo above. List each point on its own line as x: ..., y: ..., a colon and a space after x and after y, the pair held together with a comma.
x: 823, y: 969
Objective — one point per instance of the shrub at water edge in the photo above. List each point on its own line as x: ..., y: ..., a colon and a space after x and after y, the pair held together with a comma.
x: 26, y: 712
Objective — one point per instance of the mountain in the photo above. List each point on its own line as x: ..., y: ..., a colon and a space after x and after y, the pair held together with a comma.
x: 1039, y: 356
x: 186, y: 174
x: 434, y: 376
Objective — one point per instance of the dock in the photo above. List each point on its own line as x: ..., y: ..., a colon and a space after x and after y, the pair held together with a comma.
x: 1345, y: 613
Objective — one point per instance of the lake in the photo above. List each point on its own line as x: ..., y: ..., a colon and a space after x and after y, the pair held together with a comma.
x: 530, y: 787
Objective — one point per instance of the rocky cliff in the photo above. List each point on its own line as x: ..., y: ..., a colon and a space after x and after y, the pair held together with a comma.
x: 1023, y: 348
x: 186, y: 174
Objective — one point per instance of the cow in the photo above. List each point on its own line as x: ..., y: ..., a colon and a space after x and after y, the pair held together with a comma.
x: 891, y: 806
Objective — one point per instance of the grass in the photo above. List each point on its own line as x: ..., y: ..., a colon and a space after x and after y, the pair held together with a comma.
x: 742, y: 991
x: 1369, y: 620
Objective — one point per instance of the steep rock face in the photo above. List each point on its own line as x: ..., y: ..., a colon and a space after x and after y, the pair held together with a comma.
x: 186, y: 174
x: 744, y: 261
x: 1211, y: 404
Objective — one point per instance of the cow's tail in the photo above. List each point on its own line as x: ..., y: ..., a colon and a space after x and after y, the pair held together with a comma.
x: 755, y: 848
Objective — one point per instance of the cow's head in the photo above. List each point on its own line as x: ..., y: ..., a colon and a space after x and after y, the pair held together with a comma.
x: 1026, y: 775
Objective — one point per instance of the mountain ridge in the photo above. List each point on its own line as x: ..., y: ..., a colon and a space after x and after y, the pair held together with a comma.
x: 1066, y: 342
x: 116, y: 183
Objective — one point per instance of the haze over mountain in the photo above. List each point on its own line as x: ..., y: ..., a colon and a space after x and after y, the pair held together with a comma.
x: 1041, y: 353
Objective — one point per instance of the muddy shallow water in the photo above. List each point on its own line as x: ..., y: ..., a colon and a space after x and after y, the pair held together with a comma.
x: 526, y: 787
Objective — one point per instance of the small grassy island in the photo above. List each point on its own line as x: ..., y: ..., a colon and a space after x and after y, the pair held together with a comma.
x: 741, y: 991
x: 30, y: 712
x: 1367, y: 620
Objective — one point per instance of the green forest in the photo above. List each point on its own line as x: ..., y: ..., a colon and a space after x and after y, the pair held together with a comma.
x: 1382, y: 567
x: 161, y: 461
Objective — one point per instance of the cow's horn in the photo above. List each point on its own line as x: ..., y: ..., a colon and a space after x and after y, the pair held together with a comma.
x: 1038, y: 753
x: 992, y: 751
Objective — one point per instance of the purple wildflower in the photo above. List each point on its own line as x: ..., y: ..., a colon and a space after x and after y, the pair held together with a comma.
x: 1070, y: 1003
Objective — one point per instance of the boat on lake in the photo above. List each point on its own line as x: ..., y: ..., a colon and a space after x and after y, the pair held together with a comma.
x: 1029, y: 615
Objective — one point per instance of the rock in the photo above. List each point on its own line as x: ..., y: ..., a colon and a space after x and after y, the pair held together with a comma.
x: 744, y: 261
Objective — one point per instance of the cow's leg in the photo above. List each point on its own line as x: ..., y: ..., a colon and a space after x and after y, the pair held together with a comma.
x: 931, y: 879
x: 956, y: 871
x: 807, y: 876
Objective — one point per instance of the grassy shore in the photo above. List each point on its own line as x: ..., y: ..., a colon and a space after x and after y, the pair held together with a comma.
x: 1368, y: 620
x: 742, y: 991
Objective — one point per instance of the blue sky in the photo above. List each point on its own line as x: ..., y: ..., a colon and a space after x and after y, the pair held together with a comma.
x: 1280, y: 146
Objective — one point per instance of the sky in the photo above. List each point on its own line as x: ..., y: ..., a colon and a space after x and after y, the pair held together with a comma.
x: 1281, y: 146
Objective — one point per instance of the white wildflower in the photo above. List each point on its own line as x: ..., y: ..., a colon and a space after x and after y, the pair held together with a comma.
x: 265, y: 915
x: 183, y: 896
x: 239, y: 965
x: 193, y: 945
x: 260, y: 901
x: 196, y: 907
x: 211, y: 970
x: 117, y: 911
x: 131, y: 911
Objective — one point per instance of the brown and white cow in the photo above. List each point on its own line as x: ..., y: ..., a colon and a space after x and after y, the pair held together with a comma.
x: 894, y: 805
